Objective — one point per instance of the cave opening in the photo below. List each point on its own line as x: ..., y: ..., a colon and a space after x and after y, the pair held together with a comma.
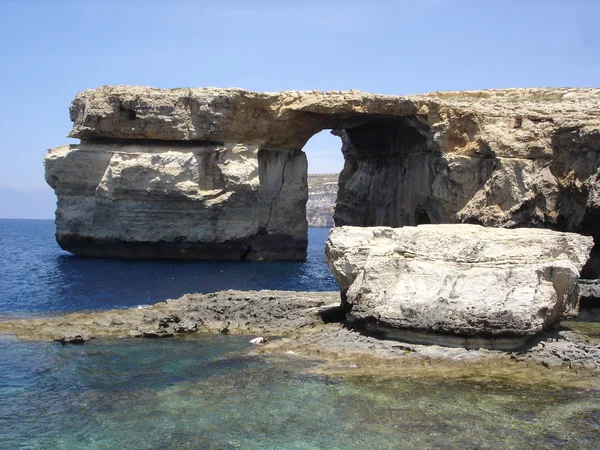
x: 421, y: 216
x: 387, y: 172
x: 383, y: 175
x: 127, y: 113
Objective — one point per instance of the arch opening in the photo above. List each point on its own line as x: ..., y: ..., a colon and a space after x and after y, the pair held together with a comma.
x: 389, y: 168
x: 325, y: 162
x: 323, y: 153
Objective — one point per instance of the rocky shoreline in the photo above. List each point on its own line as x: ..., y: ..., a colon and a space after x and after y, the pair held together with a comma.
x: 310, y: 324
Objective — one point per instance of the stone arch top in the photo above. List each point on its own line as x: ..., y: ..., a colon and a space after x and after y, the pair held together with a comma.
x: 283, y: 120
x: 286, y: 120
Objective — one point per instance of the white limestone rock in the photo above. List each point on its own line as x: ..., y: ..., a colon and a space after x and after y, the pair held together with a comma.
x: 464, y: 281
x: 322, y: 192
x: 151, y: 200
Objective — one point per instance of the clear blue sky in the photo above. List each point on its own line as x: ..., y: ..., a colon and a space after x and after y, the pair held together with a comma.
x: 50, y: 50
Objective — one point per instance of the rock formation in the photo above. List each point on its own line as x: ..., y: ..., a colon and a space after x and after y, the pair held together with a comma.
x: 296, y: 319
x: 235, y: 312
x: 472, y: 285
x: 322, y: 191
x: 162, y: 200
x: 156, y: 160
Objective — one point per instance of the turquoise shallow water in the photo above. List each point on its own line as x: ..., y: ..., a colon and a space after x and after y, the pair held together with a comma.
x: 207, y: 392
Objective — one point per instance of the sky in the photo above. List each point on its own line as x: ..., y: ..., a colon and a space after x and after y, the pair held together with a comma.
x: 52, y: 49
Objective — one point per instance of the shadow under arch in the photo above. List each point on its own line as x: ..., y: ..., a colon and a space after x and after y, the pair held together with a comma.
x: 395, y: 174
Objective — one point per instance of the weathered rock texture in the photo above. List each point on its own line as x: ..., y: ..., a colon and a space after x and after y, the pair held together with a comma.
x: 589, y: 294
x: 297, y: 317
x: 322, y: 191
x: 503, y: 158
x: 160, y: 200
x: 467, y: 282
x: 236, y: 312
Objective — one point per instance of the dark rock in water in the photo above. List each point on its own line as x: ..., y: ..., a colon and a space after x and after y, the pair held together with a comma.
x: 75, y: 338
x: 275, y: 247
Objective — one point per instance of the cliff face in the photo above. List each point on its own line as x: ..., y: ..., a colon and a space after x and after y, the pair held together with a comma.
x: 156, y: 200
x: 322, y: 192
x: 507, y: 158
x: 499, y: 158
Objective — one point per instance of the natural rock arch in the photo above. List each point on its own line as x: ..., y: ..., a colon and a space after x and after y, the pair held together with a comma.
x: 219, y: 173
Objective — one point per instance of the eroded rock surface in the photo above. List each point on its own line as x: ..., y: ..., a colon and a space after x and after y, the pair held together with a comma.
x: 237, y: 312
x: 294, y: 320
x: 153, y: 200
x: 502, y: 158
x: 463, y: 285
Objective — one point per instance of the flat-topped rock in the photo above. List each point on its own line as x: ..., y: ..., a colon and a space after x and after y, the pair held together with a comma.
x: 160, y: 200
x: 236, y: 312
x: 288, y: 119
x: 458, y: 284
x: 295, y: 321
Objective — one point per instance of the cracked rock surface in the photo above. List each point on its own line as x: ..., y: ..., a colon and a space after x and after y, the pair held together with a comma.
x: 294, y: 320
x: 239, y: 312
x: 463, y: 285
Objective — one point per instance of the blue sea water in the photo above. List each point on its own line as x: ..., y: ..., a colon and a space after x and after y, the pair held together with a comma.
x: 36, y: 276
x: 210, y: 392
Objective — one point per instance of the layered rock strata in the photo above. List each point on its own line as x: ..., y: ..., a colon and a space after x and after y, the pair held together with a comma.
x: 322, y: 192
x: 161, y: 200
x: 502, y: 158
x: 463, y: 285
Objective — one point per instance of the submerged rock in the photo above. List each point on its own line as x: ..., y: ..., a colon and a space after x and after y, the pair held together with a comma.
x: 219, y: 173
x: 297, y: 323
x: 462, y: 285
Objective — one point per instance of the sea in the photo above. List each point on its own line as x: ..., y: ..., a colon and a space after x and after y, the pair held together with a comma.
x: 211, y: 392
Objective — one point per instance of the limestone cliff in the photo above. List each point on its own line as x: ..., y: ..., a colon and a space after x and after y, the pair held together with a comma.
x: 507, y: 158
x: 322, y: 192
x: 162, y: 200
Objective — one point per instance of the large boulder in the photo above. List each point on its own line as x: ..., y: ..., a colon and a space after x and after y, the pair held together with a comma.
x: 457, y: 284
